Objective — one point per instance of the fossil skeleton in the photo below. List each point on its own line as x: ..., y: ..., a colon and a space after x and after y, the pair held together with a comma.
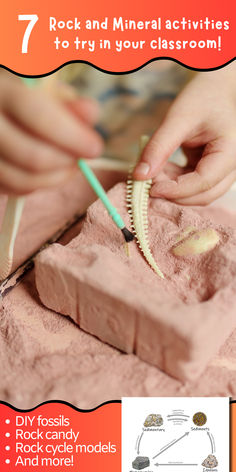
x: 137, y: 203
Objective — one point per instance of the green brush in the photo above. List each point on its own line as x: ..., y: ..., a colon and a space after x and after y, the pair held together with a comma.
x: 99, y: 190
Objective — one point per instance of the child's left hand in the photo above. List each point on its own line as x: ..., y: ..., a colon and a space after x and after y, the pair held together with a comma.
x: 42, y: 136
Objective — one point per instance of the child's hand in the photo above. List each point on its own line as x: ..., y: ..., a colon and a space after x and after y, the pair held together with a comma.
x: 203, y: 121
x: 41, y: 138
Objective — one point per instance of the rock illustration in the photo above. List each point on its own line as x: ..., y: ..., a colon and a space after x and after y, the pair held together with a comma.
x: 210, y: 462
x: 199, y: 419
x: 153, y: 420
x: 140, y: 463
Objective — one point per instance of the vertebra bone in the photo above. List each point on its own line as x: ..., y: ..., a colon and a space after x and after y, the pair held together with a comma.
x: 137, y: 203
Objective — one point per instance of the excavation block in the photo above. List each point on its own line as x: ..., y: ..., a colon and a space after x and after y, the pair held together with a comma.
x: 177, y: 323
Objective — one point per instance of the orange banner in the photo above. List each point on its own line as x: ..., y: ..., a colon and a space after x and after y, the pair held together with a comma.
x: 39, y: 37
x: 233, y: 437
x: 56, y: 436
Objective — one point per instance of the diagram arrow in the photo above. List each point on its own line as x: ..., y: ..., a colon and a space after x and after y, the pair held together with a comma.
x: 138, y: 449
x: 170, y: 445
x: 214, y: 444
x: 178, y: 414
x: 157, y: 465
x: 209, y: 436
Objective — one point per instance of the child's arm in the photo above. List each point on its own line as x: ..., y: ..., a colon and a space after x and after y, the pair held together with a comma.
x: 203, y: 121
x: 40, y: 137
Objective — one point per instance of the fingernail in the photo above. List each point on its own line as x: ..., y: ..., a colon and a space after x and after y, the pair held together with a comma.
x: 143, y: 168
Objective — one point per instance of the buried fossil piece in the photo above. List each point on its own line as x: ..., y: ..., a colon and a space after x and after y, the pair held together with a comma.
x: 196, y: 242
x: 141, y: 463
x: 210, y: 462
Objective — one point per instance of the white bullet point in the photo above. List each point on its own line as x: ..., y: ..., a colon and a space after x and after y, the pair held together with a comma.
x: 7, y: 435
x: 7, y: 421
x: 7, y: 448
x: 7, y: 461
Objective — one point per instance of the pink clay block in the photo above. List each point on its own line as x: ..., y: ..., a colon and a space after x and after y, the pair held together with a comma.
x: 177, y: 324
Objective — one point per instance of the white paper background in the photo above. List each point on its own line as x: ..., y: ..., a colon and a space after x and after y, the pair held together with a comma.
x: 191, y: 449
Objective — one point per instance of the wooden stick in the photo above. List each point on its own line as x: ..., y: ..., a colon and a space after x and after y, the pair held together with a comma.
x: 8, y: 233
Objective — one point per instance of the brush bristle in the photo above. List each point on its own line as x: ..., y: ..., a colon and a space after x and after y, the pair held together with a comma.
x: 127, y: 235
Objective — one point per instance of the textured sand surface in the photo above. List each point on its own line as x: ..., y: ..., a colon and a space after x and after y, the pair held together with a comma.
x: 45, y: 212
x: 177, y: 324
x: 46, y: 356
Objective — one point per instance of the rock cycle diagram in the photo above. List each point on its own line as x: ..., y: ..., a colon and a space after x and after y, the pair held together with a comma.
x: 173, y: 438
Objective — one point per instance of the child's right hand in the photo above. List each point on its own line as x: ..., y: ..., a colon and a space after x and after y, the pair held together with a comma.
x: 202, y: 120
x: 40, y: 138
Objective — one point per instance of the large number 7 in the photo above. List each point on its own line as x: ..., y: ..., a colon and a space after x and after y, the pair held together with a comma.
x: 32, y: 21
